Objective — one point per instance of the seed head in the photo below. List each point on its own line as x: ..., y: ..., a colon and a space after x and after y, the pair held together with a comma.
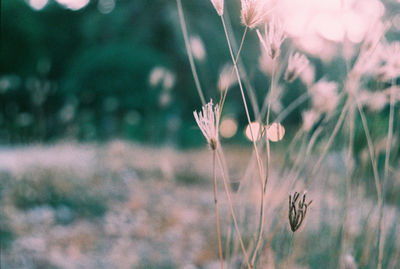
x: 208, y: 122
x: 254, y: 12
x: 297, y: 214
x: 219, y: 6
x: 274, y: 36
x: 296, y: 64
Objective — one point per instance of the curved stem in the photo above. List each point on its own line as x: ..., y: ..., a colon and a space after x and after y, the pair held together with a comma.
x: 189, y: 51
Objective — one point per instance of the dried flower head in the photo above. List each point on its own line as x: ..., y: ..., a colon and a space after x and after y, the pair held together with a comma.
x: 208, y: 122
x: 297, y: 213
x: 274, y: 36
x: 219, y: 6
x: 296, y: 64
x: 254, y: 12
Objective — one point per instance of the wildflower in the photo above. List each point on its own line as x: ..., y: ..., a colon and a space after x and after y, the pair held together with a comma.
x: 297, y: 214
x: 297, y: 63
x: 254, y: 12
x: 208, y: 122
x: 219, y: 6
x: 274, y: 36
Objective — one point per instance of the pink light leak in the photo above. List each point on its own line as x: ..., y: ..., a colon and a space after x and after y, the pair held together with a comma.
x: 319, y: 26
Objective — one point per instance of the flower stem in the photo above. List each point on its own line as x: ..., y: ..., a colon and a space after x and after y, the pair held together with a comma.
x: 216, y: 211
x: 228, y: 194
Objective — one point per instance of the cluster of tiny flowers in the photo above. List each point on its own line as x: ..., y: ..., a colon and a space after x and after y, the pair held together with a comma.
x: 208, y: 122
x: 296, y: 64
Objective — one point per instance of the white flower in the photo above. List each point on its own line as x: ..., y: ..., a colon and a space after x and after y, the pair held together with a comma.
x: 208, y: 122
x: 296, y: 64
x: 274, y: 36
x: 219, y: 6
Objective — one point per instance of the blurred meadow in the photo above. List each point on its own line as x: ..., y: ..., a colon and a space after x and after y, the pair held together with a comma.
x: 200, y: 134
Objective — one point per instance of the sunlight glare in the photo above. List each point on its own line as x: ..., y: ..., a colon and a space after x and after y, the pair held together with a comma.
x: 37, y: 4
x: 73, y: 4
x: 332, y: 21
x: 228, y: 127
x: 275, y: 132
x: 256, y: 128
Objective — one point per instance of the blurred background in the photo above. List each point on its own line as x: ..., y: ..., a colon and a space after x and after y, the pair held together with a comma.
x: 98, y: 139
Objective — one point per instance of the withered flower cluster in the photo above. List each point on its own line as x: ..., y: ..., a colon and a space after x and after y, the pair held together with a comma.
x: 297, y: 213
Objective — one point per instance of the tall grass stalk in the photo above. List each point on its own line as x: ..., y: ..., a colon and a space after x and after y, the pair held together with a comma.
x: 378, y: 183
x: 189, y: 51
x: 381, y: 241
x: 216, y: 211
x: 228, y: 194
x: 225, y: 92
x: 245, y: 78
x: 267, y: 165
x: 253, y: 138
x: 349, y: 173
